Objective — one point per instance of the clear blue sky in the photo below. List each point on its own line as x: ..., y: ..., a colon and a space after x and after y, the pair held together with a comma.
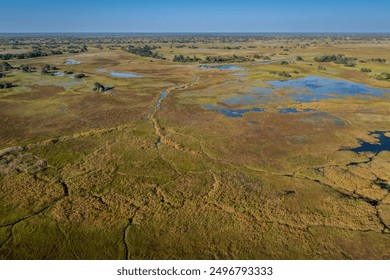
x: 195, y: 16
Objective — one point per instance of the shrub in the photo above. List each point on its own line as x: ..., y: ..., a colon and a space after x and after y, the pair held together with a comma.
x: 98, y: 87
x: 79, y: 76
x: 321, y: 68
x: 383, y: 77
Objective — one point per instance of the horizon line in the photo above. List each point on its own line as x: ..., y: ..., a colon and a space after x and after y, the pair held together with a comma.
x: 198, y: 32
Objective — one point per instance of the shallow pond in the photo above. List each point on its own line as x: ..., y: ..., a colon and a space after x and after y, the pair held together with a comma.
x: 293, y: 110
x: 222, y: 67
x: 120, y: 74
x: 256, y: 97
x: 314, y: 88
x: 71, y: 61
x: 71, y: 83
x: 58, y: 74
x: 233, y: 113
x: 124, y: 75
x: 383, y: 144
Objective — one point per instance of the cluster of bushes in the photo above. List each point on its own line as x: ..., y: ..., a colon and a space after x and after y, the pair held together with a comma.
x: 282, y: 74
x: 47, y: 68
x: 378, y: 60
x: 232, y: 48
x: 227, y: 59
x: 26, y: 68
x: 338, y: 59
x: 383, y: 77
x: 2, y: 75
x: 6, y: 85
x: 300, y: 58
x: 284, y: 62
x: 181, y: 58
x: 98, y: 87
x: 350, y: 64
x: 365, y: 70
x: 5, y: 66
x: 32, y: 54
x: 79, y: 76
x: 145, y: 51
x: 321, y: 68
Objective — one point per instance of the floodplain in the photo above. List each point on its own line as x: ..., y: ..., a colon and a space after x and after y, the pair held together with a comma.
x: 195, y: 146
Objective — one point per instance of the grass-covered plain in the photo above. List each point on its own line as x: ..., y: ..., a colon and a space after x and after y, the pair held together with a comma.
x: 108, y: 175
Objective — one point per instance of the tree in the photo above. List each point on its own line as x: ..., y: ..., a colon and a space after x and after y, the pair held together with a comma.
x: 5, y: 66
x: 98, y: 87
x: 6, y: 85
x: 299, y: 58
x: 25, y: 68
x: 79, y: 76
x: 365, y: 70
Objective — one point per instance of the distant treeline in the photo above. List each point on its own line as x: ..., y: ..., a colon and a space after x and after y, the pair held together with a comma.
x: 145, y: 51
x: 31, y: 54
x: 38, y: 52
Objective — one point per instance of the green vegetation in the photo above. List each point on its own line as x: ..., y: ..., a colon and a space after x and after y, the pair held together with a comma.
x: 27, y: 55
x: 338, y: 59
x: 383, y: 77
x: 26, y: 68
x: 321, y: 68
x: 378, y: 60
x: 6, y: 85
x: 365, y: 70
x: 80, y: 76
x: 282, y: 74
x: 181, y: 58
x: 98, y: 87
x: 5, y: 66
x: 48, y: 69
x: 227, y: 59
x: 145, y: 51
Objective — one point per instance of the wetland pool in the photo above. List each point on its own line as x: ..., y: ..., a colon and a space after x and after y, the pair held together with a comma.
x: 234, y: 113
x: 71, y: 61
x: 221, y: 67
x: 119, y: 74
x: 382, y: 144
x: 314, y: 89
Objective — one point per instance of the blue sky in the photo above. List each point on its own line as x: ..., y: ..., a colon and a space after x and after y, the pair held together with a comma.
x: 195, y: 16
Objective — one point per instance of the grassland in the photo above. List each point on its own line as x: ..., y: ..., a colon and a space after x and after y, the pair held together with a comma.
x: 87, y: 175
